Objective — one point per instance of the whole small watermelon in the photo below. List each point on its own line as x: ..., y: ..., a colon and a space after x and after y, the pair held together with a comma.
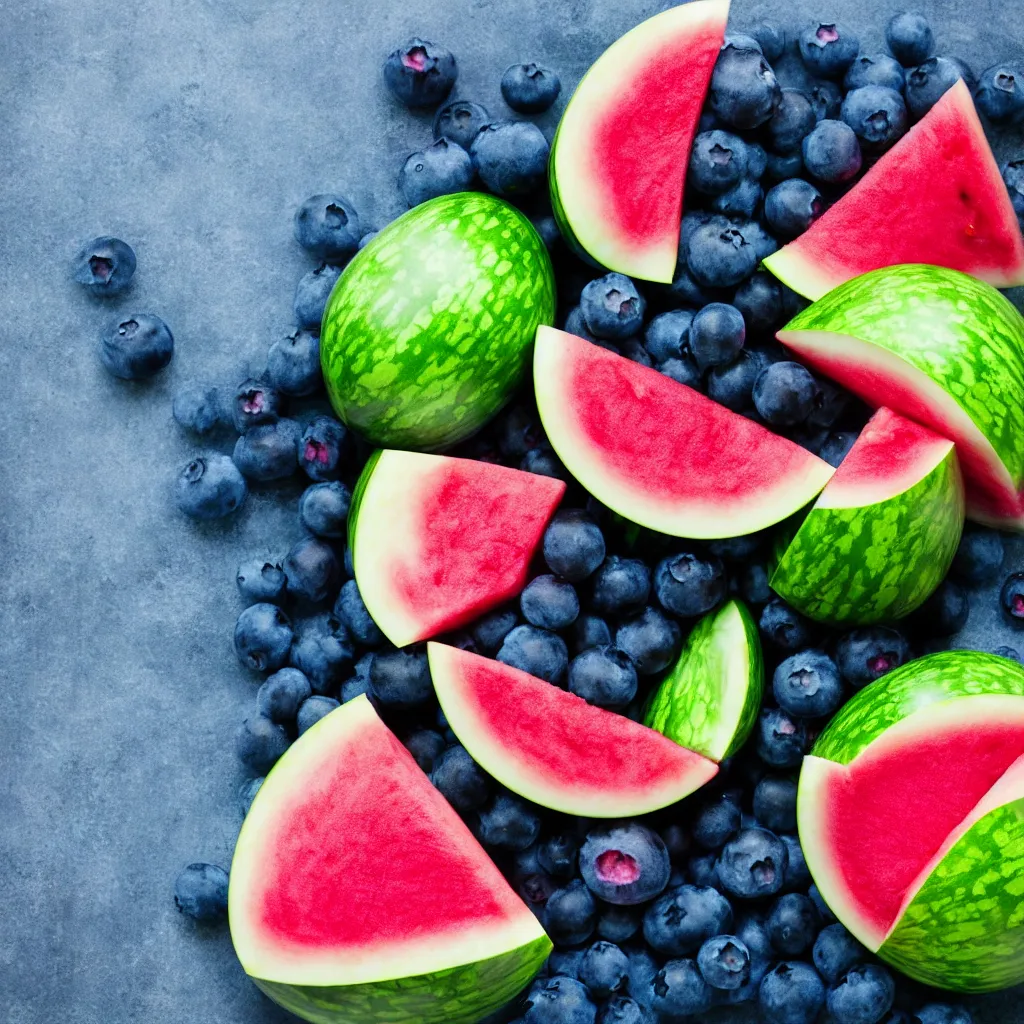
x: 429, y: 329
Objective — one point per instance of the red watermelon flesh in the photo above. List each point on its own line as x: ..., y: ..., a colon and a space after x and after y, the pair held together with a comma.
x: 554, y: 748
x: 661, y: 454
x: 437, y: 541
x: 936, y: 197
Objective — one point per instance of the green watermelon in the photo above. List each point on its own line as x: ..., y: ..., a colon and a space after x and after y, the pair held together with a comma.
x: 911, y: 818
x: 709, y: 700
x: 428, y: 330
x: 358, y: 896
x: 942, y: 349
x: 882, y: 535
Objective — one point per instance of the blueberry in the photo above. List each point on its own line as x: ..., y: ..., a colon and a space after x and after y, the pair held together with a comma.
x: 570, y: 914
x: 312, y: 569
x: 717, y: 823
x: 544, y: 462
x: 604, y: 969
x: 775, y: 803
x: 323, y: 447
x: 105, y: 266
x: 565, y: 963
x: 1011, y: 598
x: 199, y: 410
x: 682, y: 371
x: 650, y: 639
x: 832, y: 152
x: 311, y: 295
x: 460, y: 780
x: 866, y: 654
x: 668, y: 335
x: 688, y: 585
x: 612, y: 307
x: 910, y: 38
x: 863, y: 995
x: 724, y: 961
x: 783, y: 166
x: 791, y: 993
x: 792, y: 924
x: 293, y: 364
x: 718, y: 162
x: 798, y: 875
x: 702, y: 869
x: 420, y: 74
x: 259, y: 743
x: 247, y: 793
x: 836, y: 446
x: 757, y: 161
x: 575, y: 324
x: 945, y: 612
x: 603, y: 676
x: 927, y: 83
x: 539, y: 652
x: 560, y: 1000
x: 880, y: 69
x: 753, y: 864
x: 679, y: 990
x: 350, y: 609
x: 744, y: 92
x: 459, y: 121
x: 759, y: 300
x: 442, y: 168
x: 255, y: 403
x: 530, y: 88
x: 511, y: 157
x: 823, y: 908
x: 835, y: 952
x: 520, y: 430
x: 828, y: 50
x: 557, y: 855
x: 618, y: 924
x: 740, y: 41
x: 269, y: 451
x: 624, y: 864
x: 489, y: 632
x: 719, y: 256
x: 753, y: 584
x: 281, y: 694
x: 781, y: 741
x: 201, y: 892
x: 878, y: 116
x: 643, y: 969
x: 684, y: 290
x: 679, y: 922
x: 509, y: 824
x: 743, y: 200
x: 426, y: 746
x: 323, y: 650
x: 620, y: 586
x: 573, y: 544
x: 263, y: 637
x: 771, y: 38
x: 622, y: 1010
x: 323, y: 508
x: 784, y: 627
x: 784, y: 394
x: 792, y: 206
x: 793, y: 119
x: 549, y: 602
x: 210, y: 487
x: 942, y: 1013
x: 733, y: 385
x: 367, y: 238
x: 327, y: 226
x: 137, y: 347
x: 547, y: 229
x: 808, y: 684
x: 401, y: 679
x: 1009, y: 652
x: 313, y: 709
x: 717, y: 335
x: 590, y: 631
x: 979, y: 557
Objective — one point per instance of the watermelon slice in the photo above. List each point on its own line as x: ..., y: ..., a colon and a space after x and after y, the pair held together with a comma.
x: 618, y: 161
x: 882, y: 535
x: 940, y: 348
x: 437, y: 541
x: 910, y: 819
x: 936, y: 197
x: 358, y: 895
x: 554, y: 748
x: 661, y: 454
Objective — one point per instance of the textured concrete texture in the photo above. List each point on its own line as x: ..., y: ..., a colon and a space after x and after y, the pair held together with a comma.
x: 193, y: 129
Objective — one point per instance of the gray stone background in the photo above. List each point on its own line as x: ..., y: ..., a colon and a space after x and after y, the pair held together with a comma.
x: 193, y: 129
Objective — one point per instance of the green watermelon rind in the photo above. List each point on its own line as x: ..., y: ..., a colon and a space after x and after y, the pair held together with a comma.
x: 457, y: 995
x: 357, y: 496
x: 857, y: 566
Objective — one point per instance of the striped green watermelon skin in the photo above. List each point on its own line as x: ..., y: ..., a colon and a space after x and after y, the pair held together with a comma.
x: 460, y: 995
x: 429, y: 329
x: 964, y: 930
x: 936, y: 677
x: 855, y: 566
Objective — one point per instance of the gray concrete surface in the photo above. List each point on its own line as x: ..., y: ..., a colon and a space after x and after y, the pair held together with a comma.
x: 192, y: 129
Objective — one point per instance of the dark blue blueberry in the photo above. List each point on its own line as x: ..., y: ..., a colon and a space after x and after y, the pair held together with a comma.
x: 717, y: 335
x: 781, y: 740
x: 460, y: 780
x: 268, y: 452
x: 312, y: 569
x: 367, y: 238
x: 511, y: 157
x: 323, y: 650
x: 784, y: 394
x: 736, y: 549
x: 757, y: 161
x: 642, y: 970
x: 549, y: 602
x: 565, y: 962
x: 401, y: 679
x: 544, y: 462
x: 792, y: 206
x: 350, y: 609
x: 281, y: 694
x: 509, y: 824
x: 753, y: 584
x: 823, y: 908
x: 255, y: 403
x: 668, y: 335
x: 323, y: 447
x: 863, y: 995
x: 650, y: 639
x: 259, y: 579
x: 791, y: 993
x: 878, y: 116
x: 201, y: 892
x: 137, y: 347
x: 943, y: 1013
x: 557, y: 855
x: 928, y: 82
x: 828, y: 50
x: 792, y: 924
x: 621, y: 586
x: 199, y: 410
x: 681, y: 920
x: 489, y: 632
x: 807, y: 684
x: 775, y: 803
x: 702, y: 869
x: 539, y: 652
x: 754, y: 235
x: 604, y: 969
x: 311, y: 295
x: 327, y: 226
x: 830, y: 402
x: 866, y: 654
x: 530, y: 88
x: 744, y: 92
x: 835, y: 952
x: 979, y: 557
x: 793, y: 119
x: 575, y: 324
x: 263, y: 637
x: 783, y: 166
x: 688, y: 585
x: 945, y: 612
x: 683, y: 371
x: 744, y: 199
x: 717, y: 823
x: 547, y: 228
x: 622, y: 1010
x: 679, y: 990
x: 684, y: 290
x: 426, y: 746
x: 1011, y: 598
x: 798, y: 875
x: 323, y: 508
x: 559, y: 1000
x: 293, y: 364
x: 247, y: 793
x: 210, y: 487
x: 442, y: 168
x: 879, y: 69
x: 771, y: 38
x: 718, y: 161
x: 753, y: 864
x: 836, y: 446
x: 612, y: 307
x: 105, y: 266
x: 520, y: 430
x: 719, y: 256
x: 832, y: 152
x: 313, y: 709
x: 590, y: 631
x: 1009, y: 652
x: 741, y: 41
x: 733, y: 385
x: 570, y: 915
x: 603, y: 676
x: 573, y: 544
x: 259, y: 743
x: 459, y: 121
x: 724, y: 961
x: 420, y: 74
x: 624, y: 864
x: 910, y: 39
x: 784, y: 627
x: 618, y: 924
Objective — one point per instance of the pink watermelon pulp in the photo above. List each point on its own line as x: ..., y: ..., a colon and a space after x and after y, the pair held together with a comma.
x: 661, y: 454
x: 936, y: 197
x: 437, y: 541
x: 554, y: 748
x: 618, y: 162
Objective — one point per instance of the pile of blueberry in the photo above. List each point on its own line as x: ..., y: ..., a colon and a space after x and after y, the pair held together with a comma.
x: 708, y: 903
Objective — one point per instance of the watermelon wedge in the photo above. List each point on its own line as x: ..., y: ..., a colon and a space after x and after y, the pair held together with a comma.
x: 358, y: 895
x: 661, y: 454
x: 936, y: 197
x: 882, y: 535
x: 554, y: 748
x: 942, y: 349
x: 910, y: 816
x: 437, y: 541
x: 618, y: 160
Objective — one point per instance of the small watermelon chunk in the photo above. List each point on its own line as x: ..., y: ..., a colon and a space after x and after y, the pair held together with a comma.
x: 661, y: 454
x: 358, y: 895
x: 618, y: 161
x: 436, y: 541
x: 554, y: 748
x: 936, y: 197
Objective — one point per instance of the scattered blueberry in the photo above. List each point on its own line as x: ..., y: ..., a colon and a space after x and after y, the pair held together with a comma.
x: 312, y: 569
x: 323, y: 650
x: 573, y: 544
x: 927, y: 83
x: 263, y: 637
x: 999, y: 94
x: 784, y: 394
x: 1011, y: 598
x: 442, y: 168
x: 832, y: 152
x: 792, y: 206
x: 835, y: 952
x: 771, y: 38
x: 621, y: 1010
x: 807, y: 684
x: 719, y: 256
x: 312, y: 293
x: 733, y: 385
x: 198, y: 409
x: 323, y: 508
x: 603, y: 676
x: 459, y: 121
x: 313, y: 709
x: 717, y: 335
x: 401, y: 679
x: 775, y: 803
x: 137, y: 347
x: 783, y: 166
x: 620, y: 586
x: 543, y: 461
x: 293, y: 364
x: 979, y: 557
x: 530, y: 88
x: 718, y: 162
x: 650, y: 639
x: 350, y: 609
x: 793, y: 119
x: 624, y: 864
x: 460, y: 780
x: 255, y: 403
x: 247, y: 793
x: 866, y: 654
x: 791, y: 993
x: 945, y: 612
x: 618, y: 924
x: 549, y: 602
x: 570, y: 914
x: 792, y: 924
x: 744, y: 199
x: 680, y: 990
x: 724, y: 961
x: 753, y: 864
x: 836, y: 446
x: 281, y: 695
x: 210, y: 487
x: 878, y: 116
x: 537, y: 651
x: 604, y: 969
x: 863, y: 995
x: 942, y: 1013
x: 201, y: 892
x: 680, y: 921
x: 560, y: 1000
x: 105, y: 266
x: 683, y: 371
x: 744, y: 92
x: 612, y: 307
x: 259, y: 743
x: 511, y: 157
x: 878, y: 69
x: 716, y: 823
x: 910, y: 39
x: 327, y: 227
x: 426, y: 746
x: 322, y: 447
x: 509, y: 824
x: 828, y: 50
x: 261, y: 580
x: 590, y: 631
x: 420, y: 74
x: 268, y: 452
x: 781, y: 741
x: 784, y: 627
x: 490, y: 631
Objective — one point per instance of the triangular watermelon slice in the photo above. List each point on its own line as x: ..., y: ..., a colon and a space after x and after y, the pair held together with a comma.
x: 936, y: 197
x: 437, y: 541
x: 619, y: 157
x: 358, y: 894
x: 661, y: 454
x: 554, y: 748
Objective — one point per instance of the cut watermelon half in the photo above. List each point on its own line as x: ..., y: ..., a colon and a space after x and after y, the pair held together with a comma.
x: 936, y: 197
x: 437, y: 541
x: 554, y: 748
x: 358, y: 895
x: 618, y: 161
x: 661, y: 454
